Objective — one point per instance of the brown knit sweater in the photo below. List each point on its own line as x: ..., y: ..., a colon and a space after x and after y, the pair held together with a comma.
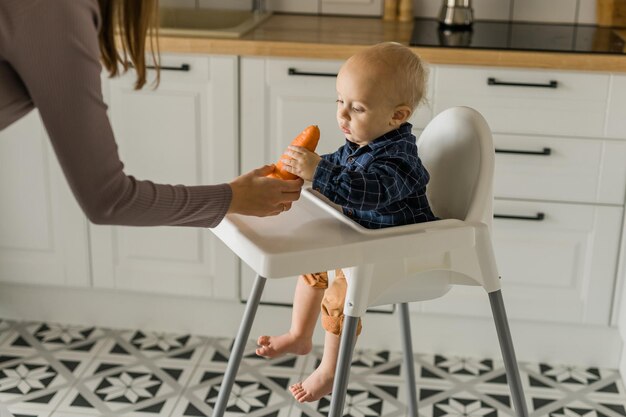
x: 50, y: 59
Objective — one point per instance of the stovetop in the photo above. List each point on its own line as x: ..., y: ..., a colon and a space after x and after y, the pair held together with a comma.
x: 520, y: 36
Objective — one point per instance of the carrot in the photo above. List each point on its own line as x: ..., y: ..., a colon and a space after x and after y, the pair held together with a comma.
x: 308, y: 138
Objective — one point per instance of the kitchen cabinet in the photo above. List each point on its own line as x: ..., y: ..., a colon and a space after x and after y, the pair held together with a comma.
x: 555, y: 171
x: 275, y: 107
x: 559, y: 191
x: 184, y: 132
x: 43, y: 233
x: 557, y: 262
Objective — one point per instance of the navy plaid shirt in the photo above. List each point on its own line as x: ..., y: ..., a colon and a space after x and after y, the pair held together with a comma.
x: 379, y: 185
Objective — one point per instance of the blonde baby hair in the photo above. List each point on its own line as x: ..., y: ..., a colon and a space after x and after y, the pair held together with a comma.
x: 406, y: 70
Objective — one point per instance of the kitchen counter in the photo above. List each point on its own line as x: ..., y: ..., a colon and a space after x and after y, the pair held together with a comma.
x: 332, y: 37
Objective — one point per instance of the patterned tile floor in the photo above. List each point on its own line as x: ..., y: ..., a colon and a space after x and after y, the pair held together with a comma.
x: 56, y: 370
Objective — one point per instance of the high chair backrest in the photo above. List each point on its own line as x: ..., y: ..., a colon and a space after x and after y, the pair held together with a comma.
x: 457, y: 149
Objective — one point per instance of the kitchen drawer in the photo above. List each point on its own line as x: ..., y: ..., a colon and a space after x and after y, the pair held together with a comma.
x: 575, y: 107
x: 294, y: 72
x: 309, y: 79
x: 559, y: 267
x: 182, y: 68
x: 559, y: 169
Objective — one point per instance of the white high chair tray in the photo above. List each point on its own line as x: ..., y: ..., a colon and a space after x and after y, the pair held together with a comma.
x: 335, y: 211
x: 314, y: 236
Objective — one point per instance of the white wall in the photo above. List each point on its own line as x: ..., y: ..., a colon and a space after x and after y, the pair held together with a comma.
x: 561, y: 11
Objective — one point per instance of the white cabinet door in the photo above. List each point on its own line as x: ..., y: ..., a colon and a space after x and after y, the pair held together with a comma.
x: 43, y: 232
x: 557, y: 262
x: 276, y: 106
x: 184, y: 132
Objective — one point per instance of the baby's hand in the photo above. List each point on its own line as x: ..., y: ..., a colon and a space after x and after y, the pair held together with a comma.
x: 303, y: 162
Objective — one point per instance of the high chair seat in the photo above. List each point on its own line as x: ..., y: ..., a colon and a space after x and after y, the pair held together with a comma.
x: 394, y: 265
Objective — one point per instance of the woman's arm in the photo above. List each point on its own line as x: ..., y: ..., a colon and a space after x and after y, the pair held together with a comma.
x: 56, y: 54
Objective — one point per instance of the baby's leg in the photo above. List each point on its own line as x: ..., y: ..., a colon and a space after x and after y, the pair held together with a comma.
x: 306, y: 307
x: 320, y: 382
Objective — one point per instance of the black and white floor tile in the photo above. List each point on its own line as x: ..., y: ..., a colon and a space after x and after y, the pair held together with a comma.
x: 54, y: 370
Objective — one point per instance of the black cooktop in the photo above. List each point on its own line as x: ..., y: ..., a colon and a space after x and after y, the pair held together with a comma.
x: 520, y: 36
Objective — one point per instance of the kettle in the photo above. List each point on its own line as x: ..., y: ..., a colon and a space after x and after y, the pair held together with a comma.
x: 456, y: 13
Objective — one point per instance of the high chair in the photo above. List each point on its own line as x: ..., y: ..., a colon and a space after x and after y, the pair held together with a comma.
x: 394, y: 265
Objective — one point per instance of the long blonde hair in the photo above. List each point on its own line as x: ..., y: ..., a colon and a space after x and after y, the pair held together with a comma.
x: 134, y: 21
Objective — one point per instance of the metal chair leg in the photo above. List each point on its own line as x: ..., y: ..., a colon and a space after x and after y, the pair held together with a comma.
x: 238, y: 347
x: 508, y: 353
x: 342, y: 371
x: 405, y: 323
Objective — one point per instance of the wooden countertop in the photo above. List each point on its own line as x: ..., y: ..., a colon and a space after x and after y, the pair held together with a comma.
x: 331, y: 37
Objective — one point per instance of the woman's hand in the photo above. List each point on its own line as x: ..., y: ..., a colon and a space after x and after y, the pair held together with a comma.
x: 303, y: 162
x: 256, y: 195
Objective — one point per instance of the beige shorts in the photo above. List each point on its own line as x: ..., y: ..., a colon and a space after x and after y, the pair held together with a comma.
x: 333, y: 301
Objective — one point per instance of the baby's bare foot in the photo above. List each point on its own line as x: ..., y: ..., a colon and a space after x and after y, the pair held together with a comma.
x: 274, y: 346
x: 317, y: 385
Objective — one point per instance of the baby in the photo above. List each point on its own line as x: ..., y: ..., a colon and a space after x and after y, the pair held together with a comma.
x: 377, y: 178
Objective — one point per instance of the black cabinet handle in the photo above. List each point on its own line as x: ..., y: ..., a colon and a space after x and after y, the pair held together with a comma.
x: 293, y: 71
x: 537, y: 218
x: 182, y: 67
x: 493, y: 81
x: 543, y: 152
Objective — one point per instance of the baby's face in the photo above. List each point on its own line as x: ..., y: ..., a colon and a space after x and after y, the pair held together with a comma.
x: 364, y: 109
